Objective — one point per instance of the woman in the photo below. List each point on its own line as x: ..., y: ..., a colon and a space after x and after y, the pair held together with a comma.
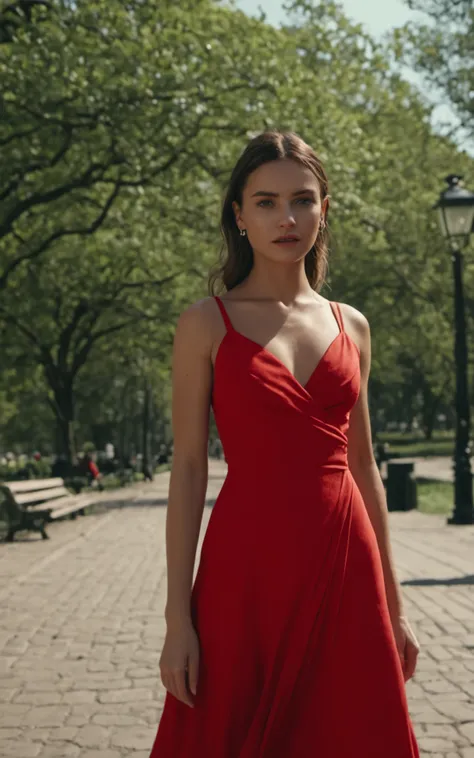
x: 293, y: 642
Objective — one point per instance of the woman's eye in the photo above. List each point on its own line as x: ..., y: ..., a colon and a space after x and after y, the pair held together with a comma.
x: 269, y: 203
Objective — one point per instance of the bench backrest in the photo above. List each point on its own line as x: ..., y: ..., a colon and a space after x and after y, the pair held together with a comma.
x: 35, y: 490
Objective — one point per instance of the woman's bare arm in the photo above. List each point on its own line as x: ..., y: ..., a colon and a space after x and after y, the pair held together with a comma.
x: 192, y: 382
x: 367, y: 477
x: 364, y: 467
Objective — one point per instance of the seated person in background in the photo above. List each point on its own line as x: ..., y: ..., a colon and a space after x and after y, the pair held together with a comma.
x: 92, y: 472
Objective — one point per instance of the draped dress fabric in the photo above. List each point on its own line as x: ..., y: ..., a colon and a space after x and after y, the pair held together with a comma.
x: 298, y: 657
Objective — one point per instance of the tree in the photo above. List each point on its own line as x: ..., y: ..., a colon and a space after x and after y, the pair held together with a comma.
x: 98, y: 171
x: 386, y: 165
x: 443, y: 50
x: 63, y: 306
x: 123, y: 93
x: 96, y: 311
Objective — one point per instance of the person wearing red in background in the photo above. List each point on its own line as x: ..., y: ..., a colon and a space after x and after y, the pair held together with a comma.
x: 93, y: 472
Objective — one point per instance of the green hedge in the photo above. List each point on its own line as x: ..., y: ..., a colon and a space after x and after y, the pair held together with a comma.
x: 10, y: 472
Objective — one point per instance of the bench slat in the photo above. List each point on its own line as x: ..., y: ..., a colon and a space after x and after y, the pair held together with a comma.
x: 43, y: 495
x: 54, y: 505
x: 33, y: 484
x: 57, y: 513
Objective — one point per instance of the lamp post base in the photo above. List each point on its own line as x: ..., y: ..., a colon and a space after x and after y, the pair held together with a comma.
x: 463, y: 507
x: 461, y: 519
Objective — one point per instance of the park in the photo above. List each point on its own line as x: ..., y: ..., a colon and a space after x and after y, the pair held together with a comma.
x: 118, y: 128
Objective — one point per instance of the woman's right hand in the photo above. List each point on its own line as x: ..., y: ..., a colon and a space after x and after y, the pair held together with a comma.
x: 179, y: 662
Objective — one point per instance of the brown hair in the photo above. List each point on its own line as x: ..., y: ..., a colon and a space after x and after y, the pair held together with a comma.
x: 236, y: 258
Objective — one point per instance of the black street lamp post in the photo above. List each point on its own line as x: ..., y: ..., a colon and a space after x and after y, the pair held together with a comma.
x: 456, y: 216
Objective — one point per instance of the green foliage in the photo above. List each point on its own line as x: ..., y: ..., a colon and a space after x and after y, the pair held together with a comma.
x: 111, y: 180
x: 435, y: 497
x: 442, y: 49
x: 387, y: 168
x: 426, y: 449
x: 101, y: 227
x: 124, y: 94
x: 25, y: 469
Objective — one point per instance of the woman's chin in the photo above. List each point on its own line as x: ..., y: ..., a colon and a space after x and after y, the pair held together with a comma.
x: 289, y: 255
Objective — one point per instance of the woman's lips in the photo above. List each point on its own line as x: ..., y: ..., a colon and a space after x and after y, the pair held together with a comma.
x: 286, y: 242
x: 292, y: 241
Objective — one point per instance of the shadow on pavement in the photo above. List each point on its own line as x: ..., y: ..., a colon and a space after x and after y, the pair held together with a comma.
x: 142, y: 502
x: 469, y: 579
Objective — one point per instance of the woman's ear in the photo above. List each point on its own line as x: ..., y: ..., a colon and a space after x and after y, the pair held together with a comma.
x: 325, y: 207
x: 238, y: 215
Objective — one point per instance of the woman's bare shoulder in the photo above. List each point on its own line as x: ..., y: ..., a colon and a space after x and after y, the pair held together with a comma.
x: 355, y: 323
x: 198, y: 324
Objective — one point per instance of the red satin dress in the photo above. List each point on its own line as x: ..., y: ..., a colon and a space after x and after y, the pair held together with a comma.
x: 298, y: 657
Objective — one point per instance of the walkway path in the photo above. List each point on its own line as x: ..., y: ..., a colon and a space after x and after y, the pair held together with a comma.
x: 81, y: 627
x: 439, y: 468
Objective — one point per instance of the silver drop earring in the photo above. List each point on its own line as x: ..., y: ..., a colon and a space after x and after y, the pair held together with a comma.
x: 243, y: 232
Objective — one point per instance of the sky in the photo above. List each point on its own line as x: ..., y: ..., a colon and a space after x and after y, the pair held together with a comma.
x: 378, y: 16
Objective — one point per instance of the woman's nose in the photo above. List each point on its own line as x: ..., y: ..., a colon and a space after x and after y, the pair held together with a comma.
x: 287, y: 218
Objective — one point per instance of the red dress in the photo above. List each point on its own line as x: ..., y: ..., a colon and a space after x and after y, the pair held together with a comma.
x: 298, y: 657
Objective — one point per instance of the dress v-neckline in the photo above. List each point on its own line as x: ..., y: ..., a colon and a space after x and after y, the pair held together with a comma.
x: 231, y: 330
x: 282, y: 365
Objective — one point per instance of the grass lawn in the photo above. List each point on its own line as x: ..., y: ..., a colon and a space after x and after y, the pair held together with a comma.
x: 415, y: 444
x: 435, y: 497
x: 434, y: 448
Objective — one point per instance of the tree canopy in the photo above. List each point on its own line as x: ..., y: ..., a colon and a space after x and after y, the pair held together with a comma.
x: 441, y: 47
x: 112, y: 177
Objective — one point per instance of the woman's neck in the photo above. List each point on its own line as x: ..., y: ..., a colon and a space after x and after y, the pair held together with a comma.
x: 285, y: 283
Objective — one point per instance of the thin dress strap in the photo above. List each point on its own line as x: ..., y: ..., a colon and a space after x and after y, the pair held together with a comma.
x: 336, y: 309
x: 224, y: 314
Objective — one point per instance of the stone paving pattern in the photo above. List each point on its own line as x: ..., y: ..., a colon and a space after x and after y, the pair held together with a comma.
x: 81, y: 628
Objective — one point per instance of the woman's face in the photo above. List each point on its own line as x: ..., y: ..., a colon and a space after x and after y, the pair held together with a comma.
x: 281, y: 210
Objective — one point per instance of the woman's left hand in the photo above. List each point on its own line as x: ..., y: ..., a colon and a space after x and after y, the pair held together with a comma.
x: 407, y: 645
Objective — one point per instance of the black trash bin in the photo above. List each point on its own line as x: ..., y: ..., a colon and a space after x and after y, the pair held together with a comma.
x: 401, y: 486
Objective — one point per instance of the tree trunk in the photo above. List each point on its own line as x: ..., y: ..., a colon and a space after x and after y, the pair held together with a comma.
x: 63, y: 407
x: 65, y: 439
x: 430, y: 409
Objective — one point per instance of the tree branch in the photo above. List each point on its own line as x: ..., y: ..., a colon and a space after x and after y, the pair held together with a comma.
x: 81, y: 357
x: 87, y: 179
x: 59, y: 234
x: 394, y: 269
x: 152, y: 283
x: 12, y: 319
x: 80, y: 311
x: 18, y: 135
x: 39, y: 165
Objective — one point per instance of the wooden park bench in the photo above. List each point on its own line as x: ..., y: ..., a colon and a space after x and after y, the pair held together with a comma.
x: 31, y: 504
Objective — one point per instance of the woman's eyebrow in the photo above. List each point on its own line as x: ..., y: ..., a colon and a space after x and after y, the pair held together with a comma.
x: 305, y: 191
x: 264, y: 193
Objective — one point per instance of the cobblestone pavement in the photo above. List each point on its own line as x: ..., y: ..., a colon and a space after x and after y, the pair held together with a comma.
x: 81, y: 628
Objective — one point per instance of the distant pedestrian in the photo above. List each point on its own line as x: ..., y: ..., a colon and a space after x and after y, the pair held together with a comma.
x: 92, y: 472
x: 147, y: 472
